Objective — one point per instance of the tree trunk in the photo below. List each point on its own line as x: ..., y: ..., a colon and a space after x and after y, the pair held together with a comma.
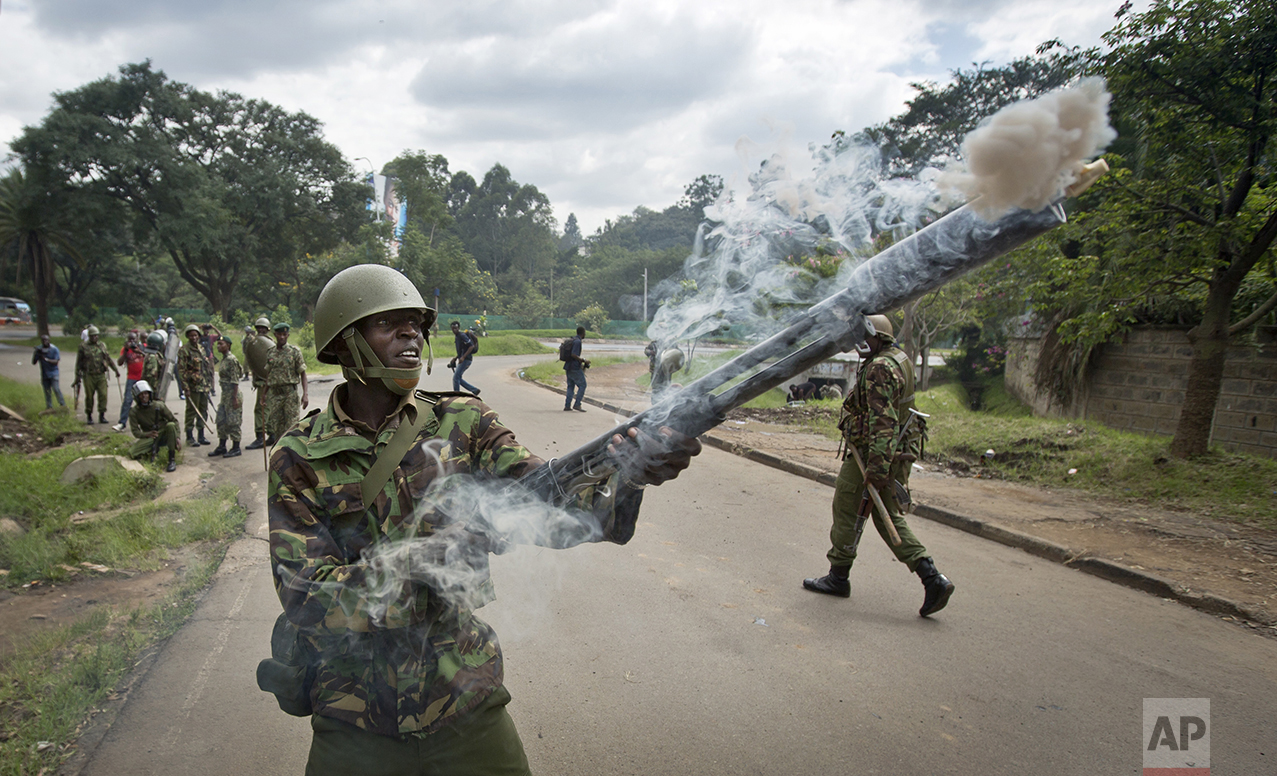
x: 906, y: 339
x: 1205, y: 373
x: 924, y: 370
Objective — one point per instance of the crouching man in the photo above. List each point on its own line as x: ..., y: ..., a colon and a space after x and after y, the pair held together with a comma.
x: 400, y: 675
x: 153, y: 425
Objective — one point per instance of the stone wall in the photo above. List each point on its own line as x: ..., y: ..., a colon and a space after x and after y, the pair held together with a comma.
x: 1137, y: 384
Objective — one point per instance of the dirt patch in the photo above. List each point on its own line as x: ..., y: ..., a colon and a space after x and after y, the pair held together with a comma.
x: 1195, y: 552
x: 44, y: 606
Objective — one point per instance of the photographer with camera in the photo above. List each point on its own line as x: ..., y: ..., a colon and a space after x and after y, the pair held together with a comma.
x: 131, y: 355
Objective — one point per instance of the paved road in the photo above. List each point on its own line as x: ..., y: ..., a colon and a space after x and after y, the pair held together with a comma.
x: 693, y: 649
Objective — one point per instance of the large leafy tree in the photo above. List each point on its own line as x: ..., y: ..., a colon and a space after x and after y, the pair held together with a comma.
x: 1188, y: 218
x: 507, y: 226
x: 220, y: 182
x: 33, y: 216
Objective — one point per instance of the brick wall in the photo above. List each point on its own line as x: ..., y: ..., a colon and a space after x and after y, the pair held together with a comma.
x: 1137, y: 384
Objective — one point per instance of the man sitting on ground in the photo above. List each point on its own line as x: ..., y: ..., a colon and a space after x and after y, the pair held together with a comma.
x: 153, y: 425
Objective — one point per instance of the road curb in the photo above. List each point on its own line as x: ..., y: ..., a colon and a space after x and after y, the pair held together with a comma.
x: 1136, y: 579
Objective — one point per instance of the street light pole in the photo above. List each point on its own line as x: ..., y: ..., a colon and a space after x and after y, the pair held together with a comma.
x: 645, y: 295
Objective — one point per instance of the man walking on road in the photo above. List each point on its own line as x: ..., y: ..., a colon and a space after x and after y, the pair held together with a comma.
x: 466, y: 345
x: 285, y: 368
x: 91, y: 363
x: 574, y: 366
x: 190, y: 372
x: 880, y: 430
x: 48, y: 357
x: 406, y: 679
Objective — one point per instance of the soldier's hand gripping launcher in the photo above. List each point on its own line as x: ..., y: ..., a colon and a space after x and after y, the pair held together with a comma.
x: 955, y: 244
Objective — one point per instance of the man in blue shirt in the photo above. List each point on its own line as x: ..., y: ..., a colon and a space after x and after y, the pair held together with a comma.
x: 47, y: 356
x: 575, y: 367
x: 466, y: 346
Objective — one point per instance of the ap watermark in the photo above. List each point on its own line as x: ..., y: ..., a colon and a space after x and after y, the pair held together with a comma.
x: 1176, y: 736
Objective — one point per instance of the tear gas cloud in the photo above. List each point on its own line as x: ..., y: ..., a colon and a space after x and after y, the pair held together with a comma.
x: 840, y: 202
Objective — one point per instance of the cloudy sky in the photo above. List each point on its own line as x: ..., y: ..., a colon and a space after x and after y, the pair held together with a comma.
x: 602, y: 104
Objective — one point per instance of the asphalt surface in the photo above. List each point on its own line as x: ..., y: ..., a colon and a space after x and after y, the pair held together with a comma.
x: 694, y: 649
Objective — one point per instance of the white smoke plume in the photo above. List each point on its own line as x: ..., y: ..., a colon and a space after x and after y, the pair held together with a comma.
x: 1026, y: 154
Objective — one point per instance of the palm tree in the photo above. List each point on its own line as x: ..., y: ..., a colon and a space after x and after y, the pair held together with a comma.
x: 29, y: 216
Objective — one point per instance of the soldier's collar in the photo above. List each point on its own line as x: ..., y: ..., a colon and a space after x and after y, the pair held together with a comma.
x: 407, y: 406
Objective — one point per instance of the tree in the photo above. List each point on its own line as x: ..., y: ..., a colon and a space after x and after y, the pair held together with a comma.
x: 217, y: 180
x: 1188, y: 213
x: 32, y: 216
x: 508, y: 227
x: 701, y: 193
x: 423, y: 183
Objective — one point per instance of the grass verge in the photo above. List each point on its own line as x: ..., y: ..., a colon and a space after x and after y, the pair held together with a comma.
x: 1090, y: 457
x: 51, y: 683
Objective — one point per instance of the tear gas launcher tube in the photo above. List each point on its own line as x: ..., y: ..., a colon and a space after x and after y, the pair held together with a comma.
x: 926, y: 260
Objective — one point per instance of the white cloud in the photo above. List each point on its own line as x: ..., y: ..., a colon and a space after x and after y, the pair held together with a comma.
x: 603, y: 104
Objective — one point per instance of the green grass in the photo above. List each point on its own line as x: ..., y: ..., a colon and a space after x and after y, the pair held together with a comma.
x: 547, y: 371
x: 505, y: 344
x: 54, y: 680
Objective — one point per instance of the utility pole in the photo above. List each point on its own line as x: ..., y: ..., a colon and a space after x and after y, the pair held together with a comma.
x: 645, y: 295
x: 552, y: 310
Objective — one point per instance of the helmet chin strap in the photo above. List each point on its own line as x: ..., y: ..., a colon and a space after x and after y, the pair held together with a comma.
x: 398, y: 381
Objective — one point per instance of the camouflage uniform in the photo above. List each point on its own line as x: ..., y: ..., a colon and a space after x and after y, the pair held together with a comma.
x: 413, y: 662
x: 284, y: 370
x: 259, y: 410
x: 144, y: 419
x: 90, y: 371
x: 152, y: 368
x: 230, y: 415
x: 190, y: 370
x: 873, y: 412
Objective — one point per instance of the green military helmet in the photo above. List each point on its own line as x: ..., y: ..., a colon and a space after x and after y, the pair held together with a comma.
x: 354, y: 294
x: 881, y: 324
x: 358, y: 292
x: 190, y: 327
x: 93, y: 330
x: 263, y: 321
x: 155, y: 340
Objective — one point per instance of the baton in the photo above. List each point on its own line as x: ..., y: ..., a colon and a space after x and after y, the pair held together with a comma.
x: 873, y: 494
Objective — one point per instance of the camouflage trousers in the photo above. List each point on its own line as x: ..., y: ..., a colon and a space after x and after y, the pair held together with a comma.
x: 848, y: 491
x: 229, y: 417
x: 259, y: 412
x: 196, y: 409
x: 144, y: 448
x: 283, y: 407
x: 483, y: 743
x: 94, y: 385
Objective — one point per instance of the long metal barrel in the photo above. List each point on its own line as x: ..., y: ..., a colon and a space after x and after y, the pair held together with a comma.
x: 909, y: 269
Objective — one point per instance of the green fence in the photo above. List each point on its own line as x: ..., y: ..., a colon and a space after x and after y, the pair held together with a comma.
x: 506, y: 323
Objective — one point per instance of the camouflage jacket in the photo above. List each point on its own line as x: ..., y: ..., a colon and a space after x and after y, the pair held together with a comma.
x: 874, y: 408
x: 229, y: 372
x: 153, y: 369
x: 401, y: 653
x: 190, y: 367
x: 285, y: 366
x: 92, y: 359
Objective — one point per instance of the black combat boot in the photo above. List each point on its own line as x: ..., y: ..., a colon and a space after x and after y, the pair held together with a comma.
x: 270, y: 441
x: 190, y: 440
x: 256, y: 444
x: 234, y: 451
x: 937, y: 586
x: 833, y: 583
x: 88, y: 418
x: 172, y: 464
x: 102, y: 418
x: 203, y: 441
x: 219, y: 450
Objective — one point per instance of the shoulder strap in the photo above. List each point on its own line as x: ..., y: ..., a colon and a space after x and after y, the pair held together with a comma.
x: 394, y: 451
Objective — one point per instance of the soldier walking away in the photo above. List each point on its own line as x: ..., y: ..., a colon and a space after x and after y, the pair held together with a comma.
x: 466, y: 344
x: 132, y: 357
x: 285, y: 368
x: 574, y: 367
x: 91, y: 363
x: 48, y: 357
x: 262, y: 327
x: 410, y: 681
x: 194, y: 381
x: 153, y: 425
x: 882, y: 431
x: 230, y: 408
